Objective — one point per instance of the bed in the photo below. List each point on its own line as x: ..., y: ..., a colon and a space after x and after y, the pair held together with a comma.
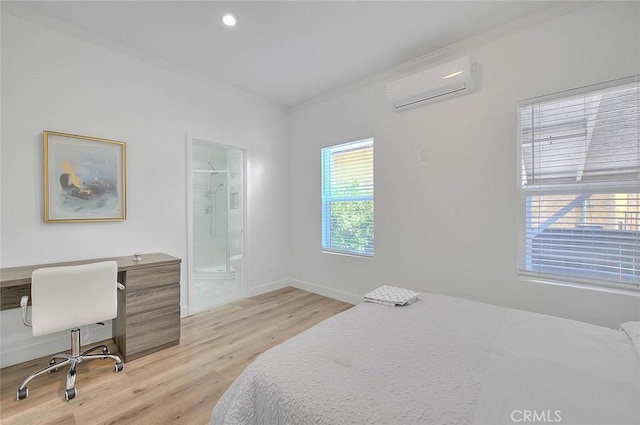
x: 440, y: 360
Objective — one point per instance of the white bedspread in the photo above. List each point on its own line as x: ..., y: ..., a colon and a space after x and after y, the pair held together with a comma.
x: 441, y: 360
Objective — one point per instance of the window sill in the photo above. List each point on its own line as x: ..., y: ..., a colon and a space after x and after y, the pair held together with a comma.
x: 633, y: 291
x: 345, y: 254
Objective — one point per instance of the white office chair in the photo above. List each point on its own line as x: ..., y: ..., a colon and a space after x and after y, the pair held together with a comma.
x: 65, y: 298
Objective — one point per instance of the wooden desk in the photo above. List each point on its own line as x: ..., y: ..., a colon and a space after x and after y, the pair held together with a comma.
x: 148, y: 309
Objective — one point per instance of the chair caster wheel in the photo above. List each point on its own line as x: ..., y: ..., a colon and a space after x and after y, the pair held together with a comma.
x: 69, y: 394
x: 22, y: 393
x: 118, y: 367
x: 51, y: 363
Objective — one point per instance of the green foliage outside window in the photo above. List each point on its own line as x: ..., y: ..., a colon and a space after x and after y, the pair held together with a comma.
x: 352, y: 222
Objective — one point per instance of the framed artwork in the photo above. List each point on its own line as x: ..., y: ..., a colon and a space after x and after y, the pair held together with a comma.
x: 84, y: 178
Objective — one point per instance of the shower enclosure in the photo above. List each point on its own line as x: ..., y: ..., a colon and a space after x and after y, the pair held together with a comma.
x: 217, y: 221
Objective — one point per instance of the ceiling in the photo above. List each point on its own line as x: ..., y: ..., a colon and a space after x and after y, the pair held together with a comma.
x: 289, y: 52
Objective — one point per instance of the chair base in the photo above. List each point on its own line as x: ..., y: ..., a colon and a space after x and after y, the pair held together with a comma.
x: 73, y: 359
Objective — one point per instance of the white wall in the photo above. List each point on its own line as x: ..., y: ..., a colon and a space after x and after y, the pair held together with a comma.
x: 448, y: 224
x: 53, y: 81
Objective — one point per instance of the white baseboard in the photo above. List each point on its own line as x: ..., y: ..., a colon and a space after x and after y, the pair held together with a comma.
x: 336, y: 294
x: 268, y: 287
x: 346, y: 297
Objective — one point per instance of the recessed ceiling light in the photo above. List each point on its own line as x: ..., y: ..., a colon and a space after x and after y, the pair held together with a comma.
x: 229, y: 20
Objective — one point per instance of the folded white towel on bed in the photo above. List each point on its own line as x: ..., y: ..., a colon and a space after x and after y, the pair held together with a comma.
x: 391, y: 296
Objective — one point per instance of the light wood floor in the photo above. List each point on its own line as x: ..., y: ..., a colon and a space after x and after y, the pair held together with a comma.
x: 179, y: 385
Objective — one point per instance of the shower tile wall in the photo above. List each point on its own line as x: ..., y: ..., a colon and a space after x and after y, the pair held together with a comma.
x: 209, y: 207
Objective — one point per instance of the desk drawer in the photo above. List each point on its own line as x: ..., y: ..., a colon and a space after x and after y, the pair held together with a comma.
x: 152, y: 277
x: 147, y: 332
x: 152, y: 299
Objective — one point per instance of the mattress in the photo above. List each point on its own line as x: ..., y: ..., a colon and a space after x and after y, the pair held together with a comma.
x: 440, y: 360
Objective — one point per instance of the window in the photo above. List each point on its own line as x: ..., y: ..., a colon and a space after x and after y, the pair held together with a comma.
x: 347, y: 198
x: 580, y: 171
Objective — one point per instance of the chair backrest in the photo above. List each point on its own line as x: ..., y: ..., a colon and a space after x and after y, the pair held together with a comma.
x: 66, y: 297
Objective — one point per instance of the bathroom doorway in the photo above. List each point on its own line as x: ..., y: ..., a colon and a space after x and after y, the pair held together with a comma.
x: 216, y: 188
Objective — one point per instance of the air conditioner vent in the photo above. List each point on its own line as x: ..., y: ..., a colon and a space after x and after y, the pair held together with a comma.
x: 438, y: 83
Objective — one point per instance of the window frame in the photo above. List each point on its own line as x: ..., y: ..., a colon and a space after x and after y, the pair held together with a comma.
x: 618, y: 186
x: 366, y: 142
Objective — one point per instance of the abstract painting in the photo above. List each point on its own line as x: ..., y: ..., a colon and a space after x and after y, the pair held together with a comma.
x: 84, y: 178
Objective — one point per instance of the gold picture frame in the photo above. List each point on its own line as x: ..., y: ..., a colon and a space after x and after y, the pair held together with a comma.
x: 84, y: 178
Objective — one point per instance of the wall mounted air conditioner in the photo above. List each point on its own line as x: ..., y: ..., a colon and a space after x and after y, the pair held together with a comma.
x: 438, y: 83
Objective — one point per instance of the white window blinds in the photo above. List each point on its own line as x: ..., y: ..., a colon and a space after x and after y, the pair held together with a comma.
x: 580, y: 171
x: 347, y: 198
